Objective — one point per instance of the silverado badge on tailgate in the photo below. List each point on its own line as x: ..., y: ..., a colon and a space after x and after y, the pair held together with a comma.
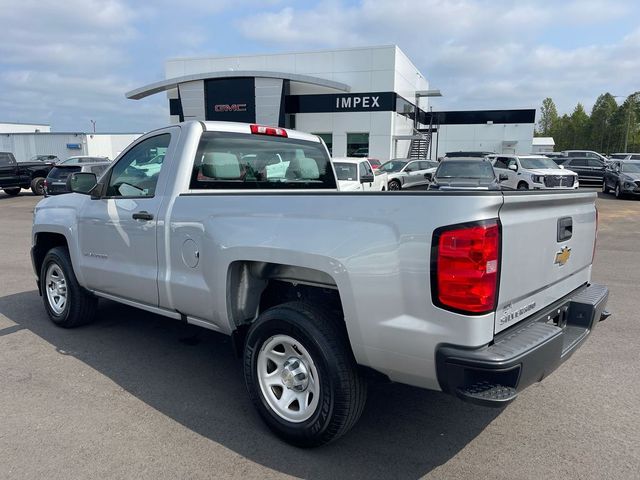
x: 562, y: 256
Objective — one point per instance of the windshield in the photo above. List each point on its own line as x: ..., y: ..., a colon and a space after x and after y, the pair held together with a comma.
x: 392, y: 166
x: 631, y: 167
x: 466, y: 169
x: 538, y: 162
x: 346, y: 171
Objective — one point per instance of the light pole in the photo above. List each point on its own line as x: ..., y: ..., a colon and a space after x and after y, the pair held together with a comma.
x: 93, y: 124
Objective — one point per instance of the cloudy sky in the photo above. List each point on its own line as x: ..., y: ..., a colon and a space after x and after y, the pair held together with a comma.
x: 69, y: 62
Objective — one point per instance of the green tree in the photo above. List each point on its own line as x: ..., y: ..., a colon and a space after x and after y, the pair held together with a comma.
x: 579, y: 127
x: 600, y: 125
x: 548, y: 117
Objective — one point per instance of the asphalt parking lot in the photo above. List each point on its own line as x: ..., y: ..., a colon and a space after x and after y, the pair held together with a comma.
x: 135, y: 395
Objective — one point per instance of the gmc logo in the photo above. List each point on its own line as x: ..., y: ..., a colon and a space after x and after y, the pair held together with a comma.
x: 234, y: 107
x: 355, y: 102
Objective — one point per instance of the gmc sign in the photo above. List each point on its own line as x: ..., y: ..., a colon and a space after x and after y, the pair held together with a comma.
x: 234, y: 107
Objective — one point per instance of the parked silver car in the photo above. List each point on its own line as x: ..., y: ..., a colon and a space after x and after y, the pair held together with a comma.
x: 407, y: 172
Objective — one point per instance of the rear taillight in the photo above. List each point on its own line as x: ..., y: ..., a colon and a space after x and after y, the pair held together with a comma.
x: 264, y: 130
x: 465, y: 262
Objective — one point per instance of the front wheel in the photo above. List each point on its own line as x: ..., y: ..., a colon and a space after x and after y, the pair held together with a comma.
x: 37, y: 186
x: 66, y: 302
x: 12, y: 191
x: 605, y: 189
x: 301, y: 374
x: 618, y: 192
x: 523, y: 186
x: 394, y: 185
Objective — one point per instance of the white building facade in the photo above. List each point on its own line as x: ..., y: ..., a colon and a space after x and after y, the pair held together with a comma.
x: 359, y: 100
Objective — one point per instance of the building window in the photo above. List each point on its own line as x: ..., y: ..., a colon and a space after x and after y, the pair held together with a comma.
x: 357, y: 144
x: 328, y: 139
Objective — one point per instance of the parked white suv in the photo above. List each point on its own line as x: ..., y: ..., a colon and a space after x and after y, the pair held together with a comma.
x: 533, y: 172
x: 356, y: 174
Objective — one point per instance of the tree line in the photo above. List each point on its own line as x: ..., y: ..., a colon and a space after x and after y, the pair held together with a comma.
x: 610, y: 128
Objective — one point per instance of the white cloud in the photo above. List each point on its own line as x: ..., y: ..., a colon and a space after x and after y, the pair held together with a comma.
x: 481, y: 54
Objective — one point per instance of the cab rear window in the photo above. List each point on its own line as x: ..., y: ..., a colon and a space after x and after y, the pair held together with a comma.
x: 238, y: 161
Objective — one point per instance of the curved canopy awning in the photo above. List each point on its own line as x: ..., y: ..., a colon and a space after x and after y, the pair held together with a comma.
x: 165, y: 85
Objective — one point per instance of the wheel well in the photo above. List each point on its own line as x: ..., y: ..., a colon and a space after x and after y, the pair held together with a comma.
x: 253, y: 287
x: 256, y: 286
x: 45, y: 241
x: 39, y: 174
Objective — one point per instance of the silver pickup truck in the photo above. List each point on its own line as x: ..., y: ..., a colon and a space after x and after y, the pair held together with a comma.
x: 477, y: 294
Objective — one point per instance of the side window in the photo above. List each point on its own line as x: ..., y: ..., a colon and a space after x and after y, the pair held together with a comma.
x: 501, y: 162
x: 634, y: 157
x: 367, y: 169
x: 413, y: 166
x: 595, y: 163
x: 5, y: 160
x: 136, y: 173
x: 578, y: 162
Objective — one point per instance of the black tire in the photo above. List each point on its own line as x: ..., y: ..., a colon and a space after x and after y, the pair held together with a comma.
x: 523, y: 186
x: 605, y: 189
x: 12, y: 191
x: 37, y: 186
x: 343, y: 389
x: 394, y: 185
x: 80, y: 306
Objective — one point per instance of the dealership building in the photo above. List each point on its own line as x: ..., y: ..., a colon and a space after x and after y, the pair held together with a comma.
x: 371, y: 100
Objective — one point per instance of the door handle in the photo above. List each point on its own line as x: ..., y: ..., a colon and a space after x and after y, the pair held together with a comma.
x: 143, y: 215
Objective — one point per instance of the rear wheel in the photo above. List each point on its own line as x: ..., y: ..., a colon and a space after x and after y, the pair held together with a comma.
x: 523, y: 186
x: 394, y: 185
x: 301, y: 374
x: 12, y: 191
x: 66, y: 302
x: 605, y: 189
x: 37, y: 186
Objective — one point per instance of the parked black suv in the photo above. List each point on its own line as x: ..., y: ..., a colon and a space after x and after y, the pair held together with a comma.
x: 56, y: 182
x: 590, y: 170
x: 15, y: 176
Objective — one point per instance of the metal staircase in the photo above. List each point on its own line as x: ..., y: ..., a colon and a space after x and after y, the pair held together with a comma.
x: 419, y: 146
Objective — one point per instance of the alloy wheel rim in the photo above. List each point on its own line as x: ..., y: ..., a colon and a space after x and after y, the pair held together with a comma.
x: 288, y: 378
x: 56, y: 288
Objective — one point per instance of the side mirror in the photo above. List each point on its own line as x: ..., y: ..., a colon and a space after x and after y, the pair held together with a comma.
x: 561, y: 166
x: 503, y: 177
x: 513, y: 167
x: 428, y: 176
x: 408, y: 170
x: 366, y: 178
x: 81, y: 182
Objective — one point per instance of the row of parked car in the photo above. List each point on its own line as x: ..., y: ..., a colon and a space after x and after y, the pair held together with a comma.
x: 486, y: 170
x: 45, y: 174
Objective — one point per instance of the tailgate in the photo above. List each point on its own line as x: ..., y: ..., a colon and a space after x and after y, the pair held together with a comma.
x: 547, y: 249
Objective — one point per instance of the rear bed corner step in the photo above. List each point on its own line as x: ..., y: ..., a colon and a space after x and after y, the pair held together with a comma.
x: 487, y: 394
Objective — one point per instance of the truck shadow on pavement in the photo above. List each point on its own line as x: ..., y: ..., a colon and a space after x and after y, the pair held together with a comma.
x: 193, y: 376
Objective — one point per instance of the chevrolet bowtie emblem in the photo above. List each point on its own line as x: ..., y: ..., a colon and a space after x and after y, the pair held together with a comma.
x: 562, y: 256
